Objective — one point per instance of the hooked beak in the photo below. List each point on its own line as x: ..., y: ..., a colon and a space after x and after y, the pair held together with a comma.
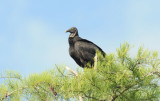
x: 67, y: 31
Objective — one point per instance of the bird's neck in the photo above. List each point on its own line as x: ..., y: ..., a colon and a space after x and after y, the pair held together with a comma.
x: 72, y: 40
x: 72, y: 35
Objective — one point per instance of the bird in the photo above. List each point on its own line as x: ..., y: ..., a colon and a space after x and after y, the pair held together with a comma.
x: 82, y: 50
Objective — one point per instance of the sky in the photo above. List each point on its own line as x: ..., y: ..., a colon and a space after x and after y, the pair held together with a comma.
x: 33, y: 38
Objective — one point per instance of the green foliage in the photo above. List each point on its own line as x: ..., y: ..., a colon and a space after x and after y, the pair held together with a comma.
x: 117, y: 77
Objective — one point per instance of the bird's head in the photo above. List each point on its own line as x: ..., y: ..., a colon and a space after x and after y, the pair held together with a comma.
x: 73, y: 32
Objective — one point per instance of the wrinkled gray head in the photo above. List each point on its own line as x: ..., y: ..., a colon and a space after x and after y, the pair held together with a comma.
x: 73, y: 31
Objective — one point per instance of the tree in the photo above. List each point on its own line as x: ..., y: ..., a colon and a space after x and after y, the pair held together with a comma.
x: 117, y: 77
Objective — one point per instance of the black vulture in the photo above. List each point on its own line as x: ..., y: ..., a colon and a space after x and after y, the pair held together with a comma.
x: 82, y: 50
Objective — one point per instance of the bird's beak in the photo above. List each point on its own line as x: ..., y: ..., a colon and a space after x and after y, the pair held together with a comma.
x: 67, y: 31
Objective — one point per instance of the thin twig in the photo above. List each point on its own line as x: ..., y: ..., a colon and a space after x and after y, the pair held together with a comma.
x: 93, y: 98
x: 115, y: 96
x: 8, y: 94
x: 71, y: 70
x: 59, y: 70
x: 156, y: 73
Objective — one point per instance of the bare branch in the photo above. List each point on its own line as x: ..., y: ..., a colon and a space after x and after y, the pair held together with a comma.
x: 71, y: 70
x: 157, y: 73
x: 8, y: 94
x: 95, y: 61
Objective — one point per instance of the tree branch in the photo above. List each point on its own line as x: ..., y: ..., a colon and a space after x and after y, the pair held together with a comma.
x: 59, y: 70
x: 115, y: 96
x: 156, y: 73
x: 9, y: 94
x: 71, y: 70
x: 93, y: 98
x: 95, y: 61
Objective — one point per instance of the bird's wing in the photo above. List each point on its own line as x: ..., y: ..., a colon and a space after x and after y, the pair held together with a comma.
x: 90, y: 45
x: 86, y: 49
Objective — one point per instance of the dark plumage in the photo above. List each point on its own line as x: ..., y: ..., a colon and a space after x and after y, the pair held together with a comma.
x: 82, y: 50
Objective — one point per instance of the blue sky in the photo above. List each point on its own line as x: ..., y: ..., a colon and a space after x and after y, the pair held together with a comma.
x: 33, y: 38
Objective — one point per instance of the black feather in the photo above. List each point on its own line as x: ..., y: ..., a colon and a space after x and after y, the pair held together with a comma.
x: 82, y: 50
